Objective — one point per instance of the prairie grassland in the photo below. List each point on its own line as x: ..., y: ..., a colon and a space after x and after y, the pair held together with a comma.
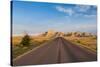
x: 16, y: 40
x: 88, y: 42
x: 18, y: 49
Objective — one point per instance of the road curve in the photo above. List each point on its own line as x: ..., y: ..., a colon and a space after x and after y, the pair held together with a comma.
x: 58, y: 50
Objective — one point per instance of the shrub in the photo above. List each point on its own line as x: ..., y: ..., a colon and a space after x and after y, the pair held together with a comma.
x: 26, y: 40
x: 78, y: 41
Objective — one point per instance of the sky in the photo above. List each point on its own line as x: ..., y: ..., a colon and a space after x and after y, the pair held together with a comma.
x: 37, y: 17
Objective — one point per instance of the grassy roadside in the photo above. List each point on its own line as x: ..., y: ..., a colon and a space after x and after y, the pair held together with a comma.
x: 79, y: 44
x: 19, y: 49
x: 86, y: 42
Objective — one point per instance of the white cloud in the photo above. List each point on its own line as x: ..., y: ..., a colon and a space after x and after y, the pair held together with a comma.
x: 68, y: 11
x: 78, y: 11
x: 82, y: 8
x: 71, y: 11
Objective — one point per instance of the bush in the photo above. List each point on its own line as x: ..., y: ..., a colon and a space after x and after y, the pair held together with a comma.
x: 78, y: 41
x: 26, y: 40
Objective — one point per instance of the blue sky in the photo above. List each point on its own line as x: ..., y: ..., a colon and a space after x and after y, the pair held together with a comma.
x: 37, y: 17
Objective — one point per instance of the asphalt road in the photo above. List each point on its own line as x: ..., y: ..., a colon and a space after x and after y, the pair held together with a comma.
x: 58, y: 50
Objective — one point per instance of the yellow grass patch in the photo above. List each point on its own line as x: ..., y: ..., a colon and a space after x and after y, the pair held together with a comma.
x: 88, y: 42
x: 16, y: 40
